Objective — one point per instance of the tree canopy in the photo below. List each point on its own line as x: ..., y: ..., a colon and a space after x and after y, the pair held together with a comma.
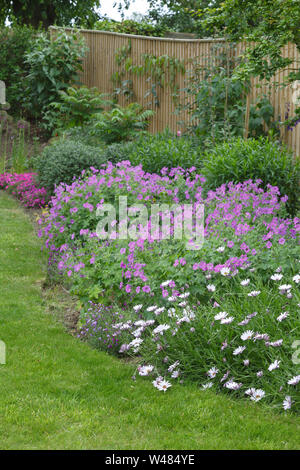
x: 47, y: 12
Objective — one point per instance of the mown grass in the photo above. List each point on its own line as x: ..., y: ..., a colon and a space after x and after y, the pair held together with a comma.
x: 58, y: 393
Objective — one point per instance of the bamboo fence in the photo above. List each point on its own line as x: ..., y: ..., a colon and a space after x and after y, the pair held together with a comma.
x: 100, y: 64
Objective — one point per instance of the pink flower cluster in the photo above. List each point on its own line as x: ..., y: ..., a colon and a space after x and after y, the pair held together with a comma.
x: 24, y: 188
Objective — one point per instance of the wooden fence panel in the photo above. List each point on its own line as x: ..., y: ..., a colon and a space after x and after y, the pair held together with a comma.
x: 99, y: 66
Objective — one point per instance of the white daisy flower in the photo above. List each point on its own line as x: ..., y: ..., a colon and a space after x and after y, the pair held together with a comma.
x: 225, y: 271
x: 163, y: 385
x: 285, y: 287
x: 282, y: 316
x: 232, y: 385
x: 220, y: 315
x: 211, y: 287
x: 157, y: 381
x: 276, y: 277
x: 245, y: 282
x: 247, y: 335
x: 212, y: 372
x: 296, y: 278
x: 227, y: 320
x: 137, y: 307
x: 257, y: 395
x: 165, y: 283
x: 254, y: 293
x: 135, y: 344
x: 239, y: 350
x: 145, y: 370
x: 287, y: 403
x: 175, y: 374
x: 220, y: 249
x: 160, y: 329
x: 246, y: 362
x: 151, y: 308
x: 159, y: 310
x: 184, y: 295
x: 173, y: 366
x: 206, y: 386
x: 295, y: 380
x: 274, y: 365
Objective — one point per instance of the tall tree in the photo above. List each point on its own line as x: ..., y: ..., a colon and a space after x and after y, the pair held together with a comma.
x: 269, y: 23
x: 47, y: 12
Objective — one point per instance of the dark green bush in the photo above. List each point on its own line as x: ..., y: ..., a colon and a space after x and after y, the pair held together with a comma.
x: 53, y: 65
x: 155, y: 152
x: 64, y: 160
x: 14, y: 44
x: 239, y: 160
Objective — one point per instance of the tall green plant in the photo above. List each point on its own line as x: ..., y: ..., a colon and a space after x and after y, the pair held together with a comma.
x: 53, y: 66
x: 75, y: 108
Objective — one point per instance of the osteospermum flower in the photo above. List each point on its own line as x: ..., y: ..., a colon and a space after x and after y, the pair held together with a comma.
x: 274, y: 365
x: 296, y: 278
x: 231, y: 385
x: 151, y: 308
x: 276, y: 277
x: 212, y: 372
x: 220, y: 315
x: 254, y: 293
x: 247, y: 335
x: 211, y: 287
x: 227, y: 320
x: 225, y: 271
x: 157, y: 381
x: 245, y: 282
x: 136, y: 308
x: 285, y: 287
x: 282, y: 316
x: 160, y: 329
x: 295, y: 380
x: 163, y: 385
x: 239, y: 350
x: 287, y: 403
x: 145, y: 370
x: 173, y: 366
x: 255, y: 394
x: 206, y: 386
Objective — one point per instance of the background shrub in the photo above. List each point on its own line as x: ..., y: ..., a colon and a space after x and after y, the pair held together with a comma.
x: 14, y: 44
x: 53, y: 66
x: 155, y: 152
x: 64, y: 160
x: 239, y: 160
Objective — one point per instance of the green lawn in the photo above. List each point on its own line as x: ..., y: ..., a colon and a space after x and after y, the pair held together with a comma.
x: 58, y: 393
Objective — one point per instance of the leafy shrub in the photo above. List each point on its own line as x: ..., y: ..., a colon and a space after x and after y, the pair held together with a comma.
x: 14, y: 44
x: 121, y: 123
x: 240, y: 160
x: 75, y: 108
x: 53, y: 66
x: 64, y: 160
x: 155, y: 152
x: 140, y: 28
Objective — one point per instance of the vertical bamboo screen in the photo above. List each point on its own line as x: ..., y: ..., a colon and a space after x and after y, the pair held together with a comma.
x: 100, y: 64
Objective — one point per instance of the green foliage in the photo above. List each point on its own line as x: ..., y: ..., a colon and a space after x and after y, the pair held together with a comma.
x: 121, y: 123
x: 49, y: 12
x: 75, y: 108
x: 239, y: 160
x: 139, y: 28
x: 14, y: 44
x: 53, y: 67
x: 214, y: 100
x: 160, y: 71
x: 155, y: 152
x: 64, y: 160
x: 261, y: 118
